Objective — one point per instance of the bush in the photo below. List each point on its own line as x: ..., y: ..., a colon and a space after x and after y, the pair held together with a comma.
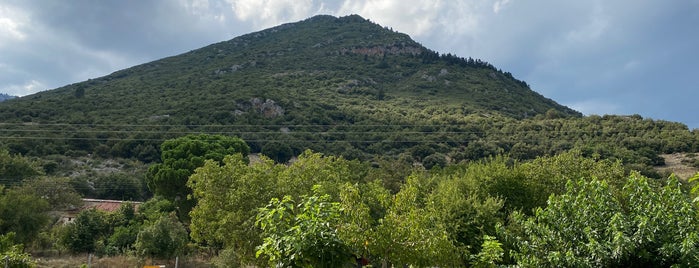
x: 434, y: 160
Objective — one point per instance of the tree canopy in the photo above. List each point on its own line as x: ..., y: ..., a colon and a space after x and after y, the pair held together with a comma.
x: 180, y: 157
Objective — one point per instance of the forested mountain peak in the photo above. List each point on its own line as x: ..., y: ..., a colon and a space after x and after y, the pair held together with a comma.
x: 4, y: 96
x: 347, y: 58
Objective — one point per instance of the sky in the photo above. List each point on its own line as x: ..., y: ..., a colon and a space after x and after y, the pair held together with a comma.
x: 595, y: 56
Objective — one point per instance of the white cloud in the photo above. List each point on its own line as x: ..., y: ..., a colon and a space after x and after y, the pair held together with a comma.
x: 12, y: 22
x: 591, y: 31
x: 415, y: 18
x: 267, y: 13
x: 196, y: 7
x: 27, y: 88
x: 499, y: 5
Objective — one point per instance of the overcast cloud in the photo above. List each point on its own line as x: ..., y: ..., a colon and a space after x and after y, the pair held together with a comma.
x: 596, y: 56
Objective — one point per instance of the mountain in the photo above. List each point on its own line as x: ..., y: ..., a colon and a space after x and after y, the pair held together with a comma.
x: 297, y: 65
x: 337, y: 85
x: 4, y: 97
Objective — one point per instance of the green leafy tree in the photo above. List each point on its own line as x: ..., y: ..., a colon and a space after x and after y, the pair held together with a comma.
x: 588, y: 226
x: 163, y: 238
x: 491, y: 253
x: 396, y: 230
x: 154, y: 208
x: 695, y: 189
x: 277, y: 151
x: 119, y: 186
x: 58, y: 192
x: 229, y: 195
x: 82, y: 234
x: 124, y: 225
x: 410, y: 232
x: 23, y: 213
x: 303, y: 234
x: 434, y: 160
x: 468, y: 213
x: 123, y: 238
x: 363, y: 208
x: 15, y: 168
x: 181, y: 156
x: 228, y: 198
x: 12, y: 254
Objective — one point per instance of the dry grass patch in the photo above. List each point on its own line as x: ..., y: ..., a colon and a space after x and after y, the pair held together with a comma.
x: 679, y: 164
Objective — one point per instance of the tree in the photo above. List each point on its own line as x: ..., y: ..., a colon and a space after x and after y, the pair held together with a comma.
x: 83, y: 233
x: 434, y: 160
x: 491, y: 252
x: 396, y: 230
x: 228, y: 198
x: 469, y: 214
x: 277, y: 151
x: 163, y: 238
x: 410, y: 232
x: 303, y: 234
x: 229, y: 195
x: 13, y: 254
x: 181, y: 156
x: 22, y: 213
x: 124, y: 228
x: 119, y: 186
x: 590, y: 226
x: 58, y: 192
x: 15, y: 168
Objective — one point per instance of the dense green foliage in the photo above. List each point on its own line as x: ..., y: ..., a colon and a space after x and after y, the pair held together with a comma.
x: 22, y: 213
x: 180, y: 157
x: 87, y: 228
x: 229, y: 195
x: 592, y: 226
x: 303, y: 234
x: 163, y: 238
x: 567, y: 209
x: 150, y: 232
x: 15, y: 168
x: 444, y: 217
x: 13, y: 254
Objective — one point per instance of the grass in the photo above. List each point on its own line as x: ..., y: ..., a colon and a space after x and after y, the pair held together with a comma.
x: 115, y: 262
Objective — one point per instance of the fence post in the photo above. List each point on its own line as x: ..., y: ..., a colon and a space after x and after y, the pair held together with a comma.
x: 7, y: 261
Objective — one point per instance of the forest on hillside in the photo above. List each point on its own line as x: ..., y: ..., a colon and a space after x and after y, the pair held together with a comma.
x: 210, y: 200
x: 445, y: 139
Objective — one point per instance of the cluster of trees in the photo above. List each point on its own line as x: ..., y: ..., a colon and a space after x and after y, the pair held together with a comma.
x: 29, y: 220
x: 152, y: 231
x: 565, y: 210
x: 323, y: 211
